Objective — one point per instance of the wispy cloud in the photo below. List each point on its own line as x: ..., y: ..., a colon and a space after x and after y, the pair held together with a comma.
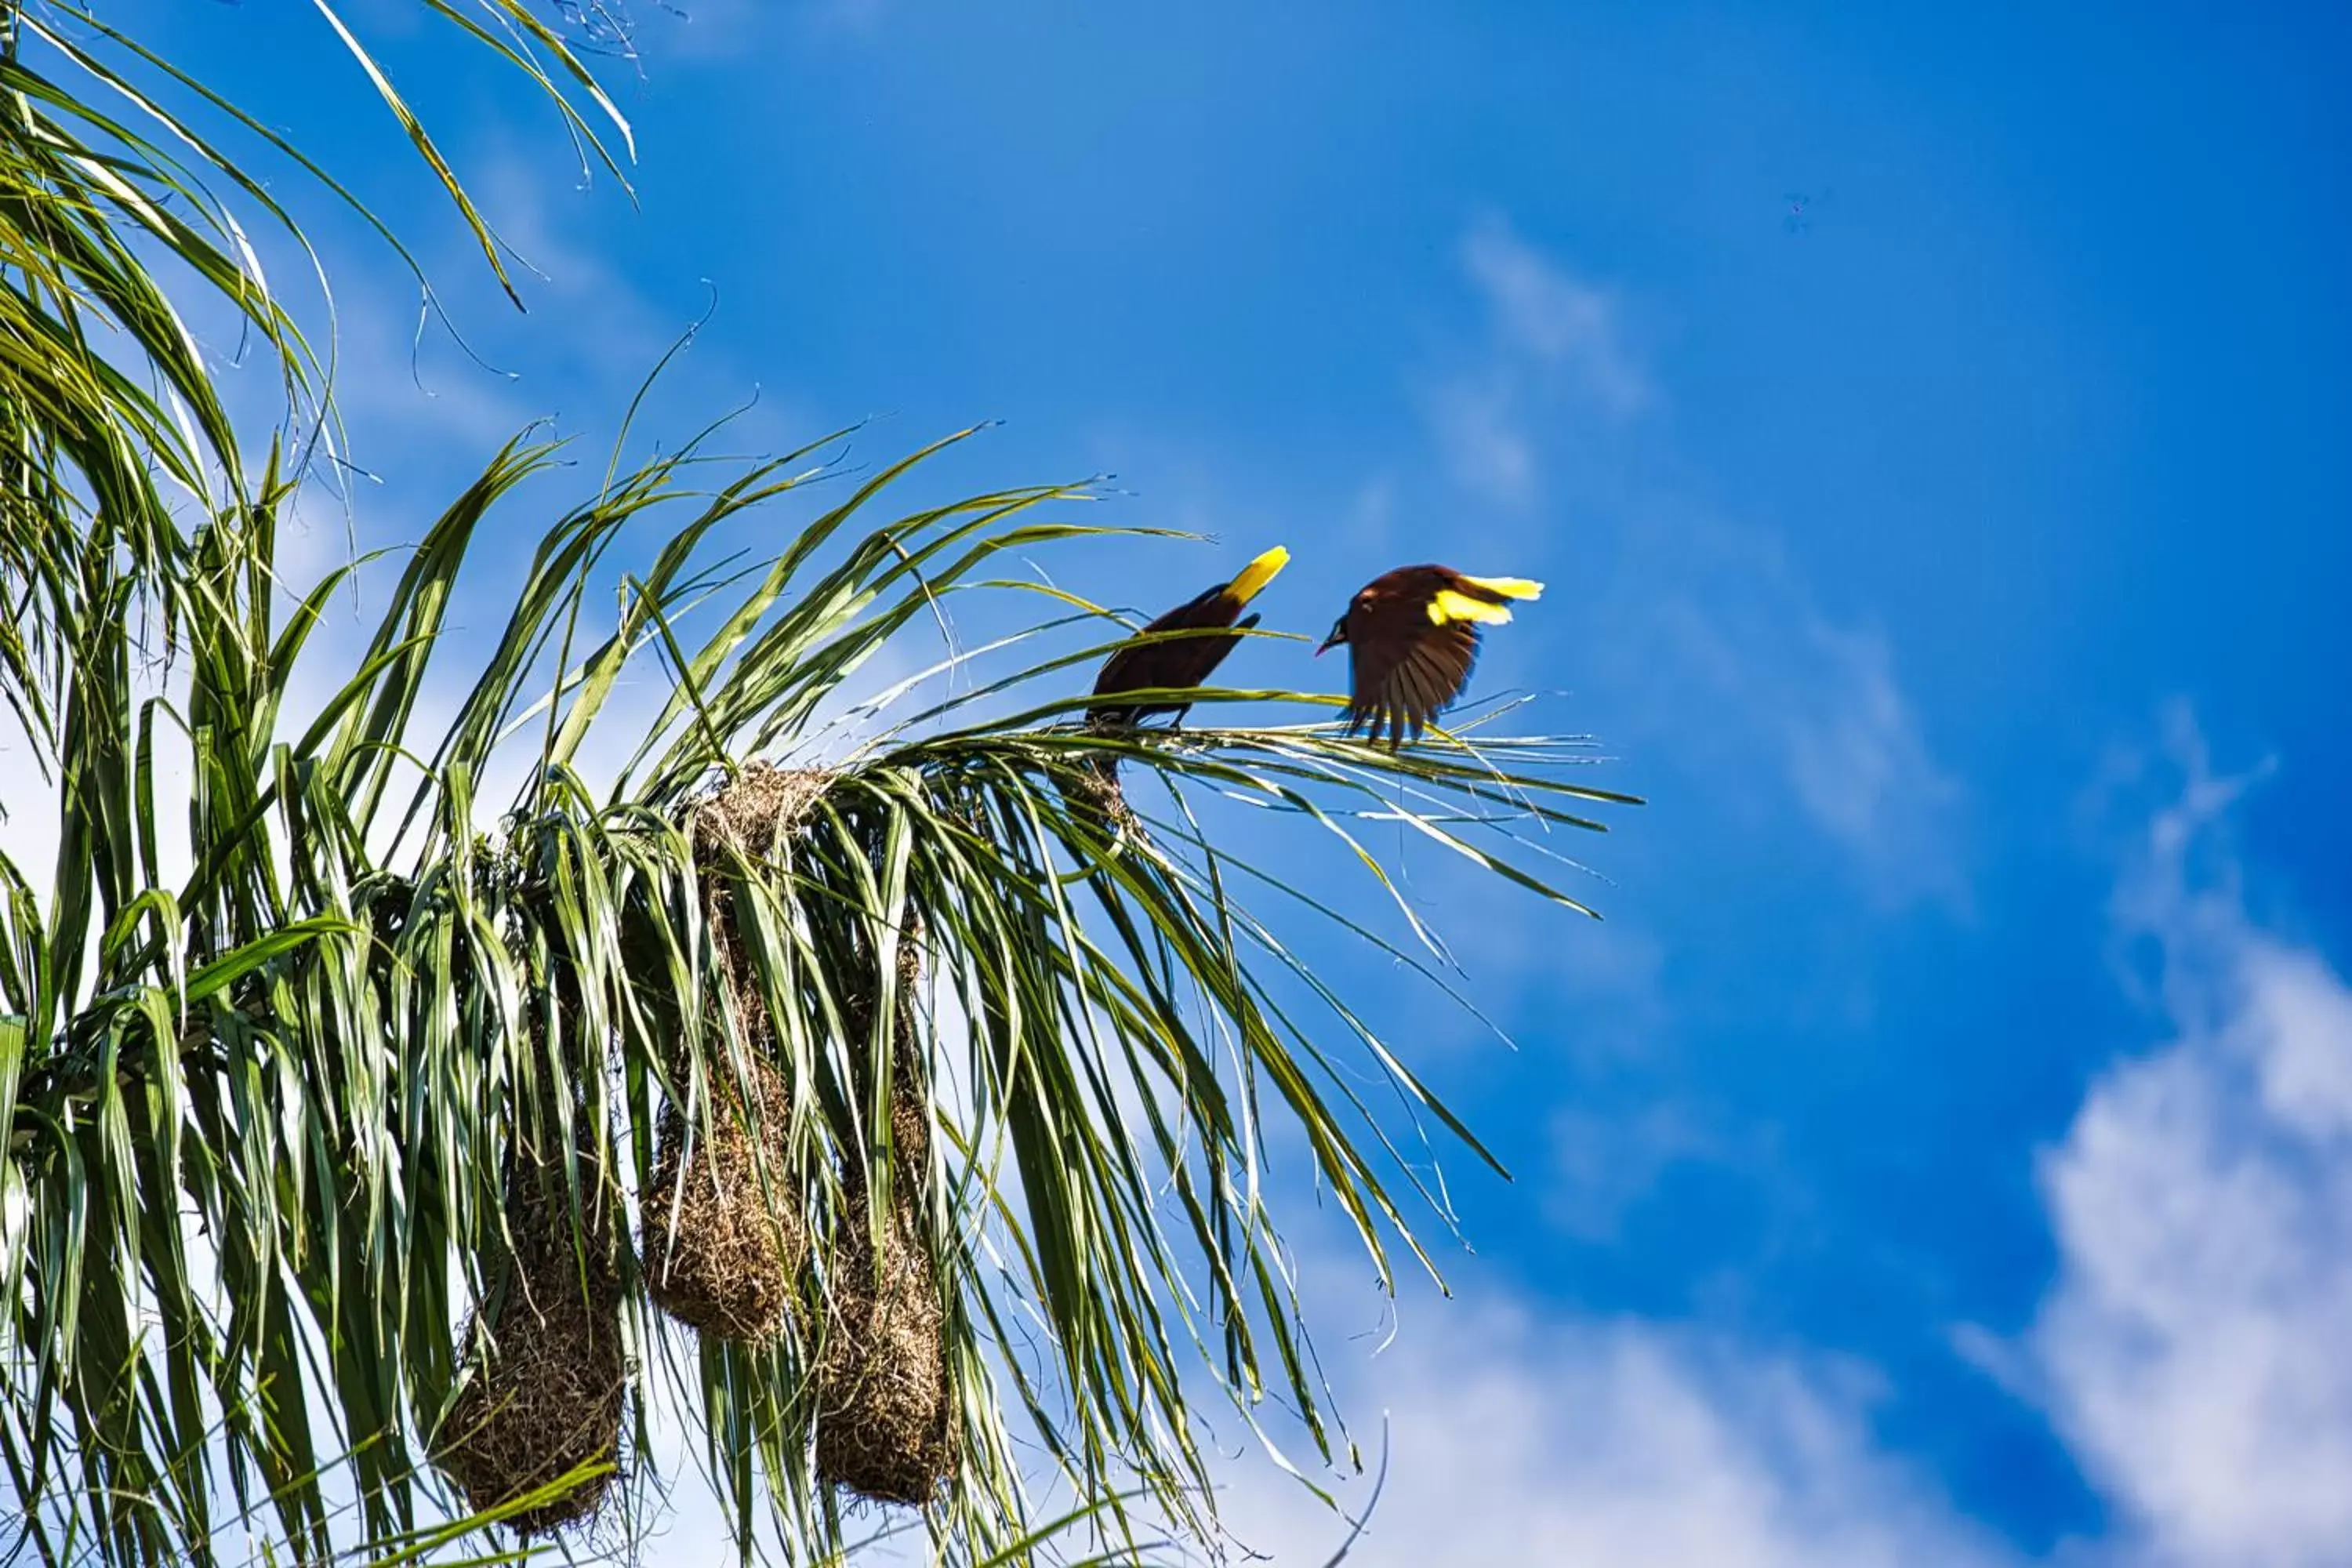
x: 1612, y: 1445
x: 1477, y: 423
x: 1731, y: 660
x: 1710, y: 635
x: 1855, y: 757
x: 1553, y: 354
x: 394, y: 404
x: 1545, y: 315
x: 2196, y: 1348
x: 615, y: 329
x: 441, y: 391
x: 1603, y: 1164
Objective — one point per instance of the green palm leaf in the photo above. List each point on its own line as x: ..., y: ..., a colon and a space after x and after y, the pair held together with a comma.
x: 323, y: 1050
x: 340, y: 1046
x: 110, y: 422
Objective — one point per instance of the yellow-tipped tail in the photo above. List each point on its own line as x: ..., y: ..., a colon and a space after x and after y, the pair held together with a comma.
x: 1449, y: 606
x: 1508, y: 587
x: 1257, y: 574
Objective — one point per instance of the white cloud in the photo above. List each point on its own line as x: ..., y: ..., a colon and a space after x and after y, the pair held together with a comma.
x: 428, y: 397
x: 2196, y: 1348
x: 1476, y: 426
x: 1717, y: 637
x: 398, y: 393
x: 1612, y: 1445
x: 1555, y: 357
x: 1545, y: 314
x: 1708, y: 629
x: 1603, y: 1165
x: 1854, y: 754
x: 539, y: 212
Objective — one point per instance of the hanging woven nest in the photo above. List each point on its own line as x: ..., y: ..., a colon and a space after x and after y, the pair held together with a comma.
x: 755, y: 813
x: 885, y: 1401
x: 545, y: 1391
x: 721, y: 1235
x: 910, y: 1122
x: 720, y: 1249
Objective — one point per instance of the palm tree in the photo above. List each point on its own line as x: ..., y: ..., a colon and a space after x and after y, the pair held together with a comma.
x: 860, y: 1078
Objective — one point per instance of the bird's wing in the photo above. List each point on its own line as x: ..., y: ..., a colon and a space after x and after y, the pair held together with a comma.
x: 1135, y: 666
x: 1402, y: 679
x: 1173, y: 664
x: 1118, y: 671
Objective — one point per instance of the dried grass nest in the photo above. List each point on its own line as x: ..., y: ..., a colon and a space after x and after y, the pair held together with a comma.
x: 720, y: 1245
x: 884, y: 1400
x: 755, y: 812
x: 724, y: 1256
x: 1094, y: 788
x: 720, y: 1249
x: 545, y: 1392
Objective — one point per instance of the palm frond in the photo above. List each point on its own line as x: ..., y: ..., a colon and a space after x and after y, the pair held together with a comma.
x: 265, y: 1109
x: 125, y: 212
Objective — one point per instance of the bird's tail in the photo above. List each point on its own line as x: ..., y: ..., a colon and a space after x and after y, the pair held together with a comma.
x: 1507, y: 587
x: 1257, y: 574
x: 1483, y: 602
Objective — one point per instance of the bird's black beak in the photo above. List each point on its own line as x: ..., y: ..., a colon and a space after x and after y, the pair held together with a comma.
x: 1328, y: 644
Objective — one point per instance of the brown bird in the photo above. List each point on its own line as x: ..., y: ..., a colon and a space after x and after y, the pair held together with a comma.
x: 1412, y: 637
x: 1181, y: 662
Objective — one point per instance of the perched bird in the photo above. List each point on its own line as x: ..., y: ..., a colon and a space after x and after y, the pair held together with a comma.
x: 1181, y: 662
x: 1412, y: 637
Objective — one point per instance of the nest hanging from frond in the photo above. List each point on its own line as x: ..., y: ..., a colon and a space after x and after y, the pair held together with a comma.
x: 545, y: 1391
x: 910, y: 1087
x: 723, y: 1251
x: 721, y: 1234
x: 885, y: 1401
x: 755, y: 812
x: 720, y: 1249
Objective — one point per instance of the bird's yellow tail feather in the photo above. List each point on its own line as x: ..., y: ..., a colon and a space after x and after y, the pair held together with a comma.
x: 1448, y: 605
x: 1508, y: 587
x: 1258, y: 573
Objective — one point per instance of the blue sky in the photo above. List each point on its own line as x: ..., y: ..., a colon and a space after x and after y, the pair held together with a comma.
x: 1942, y: 1153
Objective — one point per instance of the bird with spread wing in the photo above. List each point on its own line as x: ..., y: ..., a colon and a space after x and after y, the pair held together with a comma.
x: 1412, y: 637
